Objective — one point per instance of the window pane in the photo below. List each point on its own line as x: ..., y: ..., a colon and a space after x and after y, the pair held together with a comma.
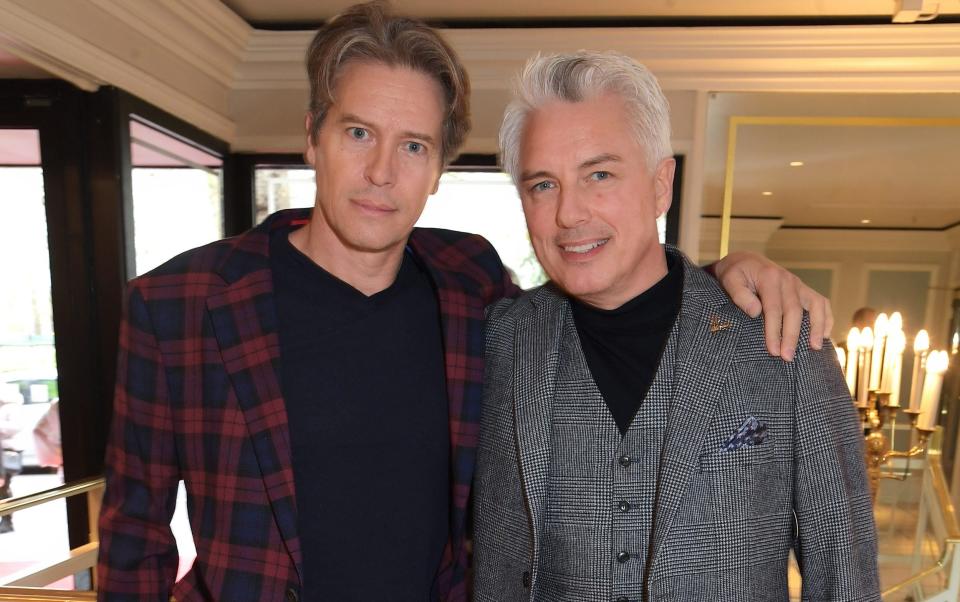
x: 177, y: 196
x: 278, y: 188
x: 479, y: 202
x: 29, y: 419
x: 487, y: 204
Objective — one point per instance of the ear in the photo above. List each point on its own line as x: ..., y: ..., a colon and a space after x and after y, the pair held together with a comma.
x: 663, y: 184
x: 310, y: 154
x: 436, y: 184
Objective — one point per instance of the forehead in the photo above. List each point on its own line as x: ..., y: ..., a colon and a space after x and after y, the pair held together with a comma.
x: 561, y: 130
x: 369, y: 90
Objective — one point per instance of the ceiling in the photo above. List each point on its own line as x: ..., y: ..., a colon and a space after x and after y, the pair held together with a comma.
x: 299, y: 11
x: 893, y: 176
x: 896, y: 177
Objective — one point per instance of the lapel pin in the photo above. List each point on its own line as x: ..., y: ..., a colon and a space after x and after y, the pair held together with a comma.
x: 716, y: 324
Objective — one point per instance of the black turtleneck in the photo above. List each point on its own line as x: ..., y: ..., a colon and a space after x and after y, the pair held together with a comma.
x: 623, y: 346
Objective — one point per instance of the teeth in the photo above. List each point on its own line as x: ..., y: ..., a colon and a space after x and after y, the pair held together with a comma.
x: 585, y: 248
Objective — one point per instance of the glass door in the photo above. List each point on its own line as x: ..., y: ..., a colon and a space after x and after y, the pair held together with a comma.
x: 29, y: 392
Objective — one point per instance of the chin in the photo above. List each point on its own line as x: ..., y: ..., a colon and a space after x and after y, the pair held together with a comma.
x: 376, y: 239
x: 578, y: 287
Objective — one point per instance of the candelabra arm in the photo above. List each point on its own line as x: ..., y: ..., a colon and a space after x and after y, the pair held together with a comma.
x: 917, y: 450
x: 913, y: 452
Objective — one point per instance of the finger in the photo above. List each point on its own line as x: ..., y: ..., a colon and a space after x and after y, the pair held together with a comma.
x: 828, y: 319
x: 817, y: 309
x: 746, y: 300
x: 792, y: 320
x: 772, y: 299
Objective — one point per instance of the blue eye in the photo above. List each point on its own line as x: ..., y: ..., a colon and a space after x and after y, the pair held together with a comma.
x: 358, y: 133
x: 542, y: 186
x: 600, y: 175
x: 415, y: 147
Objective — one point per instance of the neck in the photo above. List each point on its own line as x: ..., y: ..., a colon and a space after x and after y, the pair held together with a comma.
x: 367, y: 271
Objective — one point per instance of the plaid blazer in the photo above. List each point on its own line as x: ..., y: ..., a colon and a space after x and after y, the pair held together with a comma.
x: 759, y: 456
x: 198, y: 398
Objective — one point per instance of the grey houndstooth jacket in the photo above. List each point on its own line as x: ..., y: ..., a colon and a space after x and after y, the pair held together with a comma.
x: 725, y: 515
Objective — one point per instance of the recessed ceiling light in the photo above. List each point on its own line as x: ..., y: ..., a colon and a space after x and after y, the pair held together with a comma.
x: 864, y: 221
x: 796, y: 164
x: 766, y: 193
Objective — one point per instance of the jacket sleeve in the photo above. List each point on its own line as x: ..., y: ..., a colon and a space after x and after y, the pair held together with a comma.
x: 836, y: 541
x: 138, y: 553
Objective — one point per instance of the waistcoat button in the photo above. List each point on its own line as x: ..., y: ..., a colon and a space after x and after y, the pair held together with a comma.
x: 625, y: 460
x: 623, y: 506
x: 623, y: 557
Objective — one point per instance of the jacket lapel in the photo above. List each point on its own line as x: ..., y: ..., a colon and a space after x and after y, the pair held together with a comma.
x: 537, y: 347
x: 244, y: 321
x: 708, y: 332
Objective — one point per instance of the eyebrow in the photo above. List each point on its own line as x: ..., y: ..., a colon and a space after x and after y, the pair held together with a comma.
x: 591, y: 162
x: 351, y: 118
x: 534, y: 175
x: 604, y: 158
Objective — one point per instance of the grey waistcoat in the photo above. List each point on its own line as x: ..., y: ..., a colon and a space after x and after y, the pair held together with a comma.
x: 601, y: 486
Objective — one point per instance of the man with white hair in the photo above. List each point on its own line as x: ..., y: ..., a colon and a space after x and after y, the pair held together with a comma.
x: 637, y: 442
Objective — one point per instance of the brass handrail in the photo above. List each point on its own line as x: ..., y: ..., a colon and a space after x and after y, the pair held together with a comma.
x: 947, y: 508
x: 42, y: 497
x: 24, y: 586
x: 948, y: 514
x: 29, y: 594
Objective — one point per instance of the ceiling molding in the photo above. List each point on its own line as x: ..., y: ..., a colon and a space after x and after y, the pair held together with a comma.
x: 841, y: 58
x: 744, y: 58
x: 211, y: 40
x: 51, y: 65
x: 199, y: 96
x: 953, y: 235
x: 274, y: 60
x: 862, y: 240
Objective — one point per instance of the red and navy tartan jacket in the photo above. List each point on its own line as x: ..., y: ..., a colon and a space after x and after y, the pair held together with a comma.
x: 198, y: 398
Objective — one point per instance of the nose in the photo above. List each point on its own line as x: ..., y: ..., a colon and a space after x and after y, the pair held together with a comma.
x: 380, y: 169
x: 572, y: 208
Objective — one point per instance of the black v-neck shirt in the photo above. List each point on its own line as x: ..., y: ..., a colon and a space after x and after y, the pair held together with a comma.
x: 623, y: 346
x: 364, y: 384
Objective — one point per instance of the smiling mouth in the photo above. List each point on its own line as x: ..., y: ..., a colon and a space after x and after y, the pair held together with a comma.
x: 585, y: 247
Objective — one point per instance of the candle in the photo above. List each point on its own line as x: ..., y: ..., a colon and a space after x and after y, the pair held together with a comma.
x: 853, y: 359
x: 920, y: 346
x: 866, y: 348
x: 876, y: 357
x: 841, y: 357
x: 890, y: 357
x: 930, y: 399
x: 897, y: 342
x: 894, y: 330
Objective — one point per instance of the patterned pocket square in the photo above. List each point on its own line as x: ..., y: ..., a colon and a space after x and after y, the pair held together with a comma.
x: 751, y: 432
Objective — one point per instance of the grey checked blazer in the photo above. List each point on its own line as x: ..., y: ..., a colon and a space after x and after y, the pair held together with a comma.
x: 724, y: 521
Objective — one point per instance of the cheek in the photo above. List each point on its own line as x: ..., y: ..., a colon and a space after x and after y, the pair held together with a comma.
x: 538, y: 222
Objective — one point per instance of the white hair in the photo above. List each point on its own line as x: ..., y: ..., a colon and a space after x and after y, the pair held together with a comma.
x: 580, y: 76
